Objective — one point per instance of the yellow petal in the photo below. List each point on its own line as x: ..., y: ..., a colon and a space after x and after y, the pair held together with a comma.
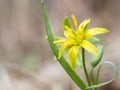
x: 63, y: 47
x: 69, y: 33
x: 59, y: 41
x: 74, y: 21
x: 82, y: 26
x: 95, y: 31
x: 73, y: 55
x: 89, y: 47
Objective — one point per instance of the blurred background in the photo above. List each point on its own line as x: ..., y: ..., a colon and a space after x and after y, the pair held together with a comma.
x: 26, y: 61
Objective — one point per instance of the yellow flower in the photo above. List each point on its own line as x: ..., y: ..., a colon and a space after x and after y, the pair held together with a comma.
x: 77, y: 37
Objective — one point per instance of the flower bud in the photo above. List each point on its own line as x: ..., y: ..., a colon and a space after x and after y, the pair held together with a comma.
x: 97, y: 58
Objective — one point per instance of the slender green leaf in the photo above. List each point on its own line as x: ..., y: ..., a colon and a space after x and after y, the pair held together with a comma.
x: 107, y: 82
x: 55, y: 50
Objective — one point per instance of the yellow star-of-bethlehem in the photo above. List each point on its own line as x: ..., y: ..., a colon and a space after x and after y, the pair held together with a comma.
x: 76, y: 38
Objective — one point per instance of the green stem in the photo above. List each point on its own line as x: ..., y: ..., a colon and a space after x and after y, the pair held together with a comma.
x: 97, y: 77
x: 84, y: 67
x: 92, y: 76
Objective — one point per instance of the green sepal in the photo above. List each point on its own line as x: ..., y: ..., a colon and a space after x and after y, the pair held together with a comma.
x: 86, y: 27
x: 94, y: 40
x: 66, y: 22
x: 97, y: 58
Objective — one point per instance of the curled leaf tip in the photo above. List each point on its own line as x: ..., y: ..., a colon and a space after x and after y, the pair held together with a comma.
x: 42, y: 1
x: 46, y: 37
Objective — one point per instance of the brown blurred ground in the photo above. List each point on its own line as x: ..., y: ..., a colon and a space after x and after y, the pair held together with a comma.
x: 26, y: 60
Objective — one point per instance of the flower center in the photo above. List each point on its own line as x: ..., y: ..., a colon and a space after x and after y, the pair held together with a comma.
x: 80, y: 38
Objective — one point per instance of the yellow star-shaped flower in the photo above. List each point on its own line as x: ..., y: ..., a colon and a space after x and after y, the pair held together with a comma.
x: 77, y: 38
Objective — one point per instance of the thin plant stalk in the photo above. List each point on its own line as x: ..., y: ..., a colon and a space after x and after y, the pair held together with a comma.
x: 84, y: 67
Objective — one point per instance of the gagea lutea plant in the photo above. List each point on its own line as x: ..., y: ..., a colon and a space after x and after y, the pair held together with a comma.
x: 78, y: 39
